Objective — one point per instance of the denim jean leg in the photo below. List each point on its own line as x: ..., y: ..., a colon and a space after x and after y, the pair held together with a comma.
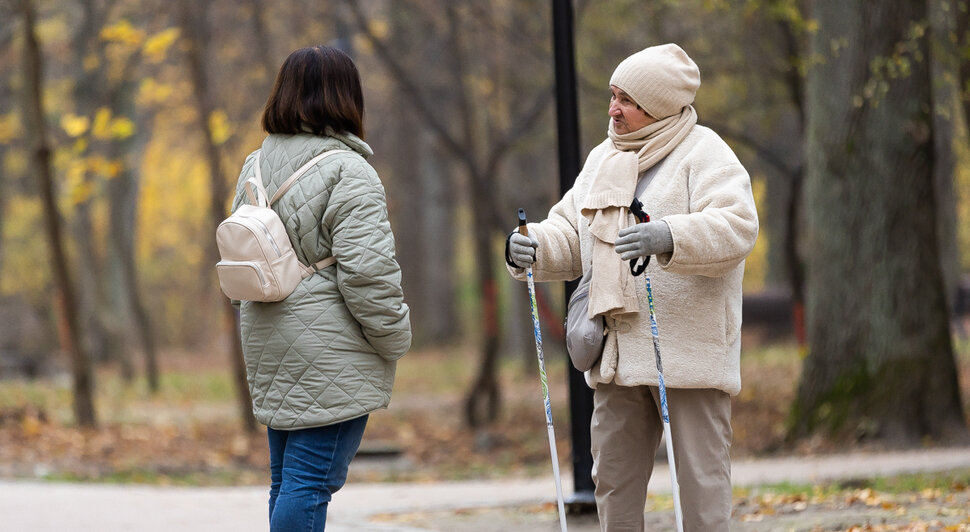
x: 315, y: 464
x: 277, y: 445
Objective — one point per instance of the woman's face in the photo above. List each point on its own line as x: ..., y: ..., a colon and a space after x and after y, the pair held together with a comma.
x: 626, y: 114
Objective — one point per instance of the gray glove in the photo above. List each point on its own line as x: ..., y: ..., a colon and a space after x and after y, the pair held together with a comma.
x: 643, y: 240
x: 522, y: 250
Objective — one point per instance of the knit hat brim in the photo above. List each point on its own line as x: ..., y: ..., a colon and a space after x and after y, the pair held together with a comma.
x: 662, y: 79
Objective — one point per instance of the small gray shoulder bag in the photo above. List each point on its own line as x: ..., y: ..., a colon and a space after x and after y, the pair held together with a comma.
x: 584, y: 336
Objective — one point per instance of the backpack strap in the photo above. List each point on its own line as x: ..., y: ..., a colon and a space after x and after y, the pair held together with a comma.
x: 329, y: 261
x: 259, y: 195
x: 254, y: 187
x: 299, y: 173
x: 317, y: 266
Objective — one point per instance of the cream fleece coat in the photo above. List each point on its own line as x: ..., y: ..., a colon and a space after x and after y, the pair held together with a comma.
x: 704, y: 194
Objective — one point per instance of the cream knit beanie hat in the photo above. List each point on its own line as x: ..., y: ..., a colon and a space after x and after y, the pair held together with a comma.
x: 661, y: 79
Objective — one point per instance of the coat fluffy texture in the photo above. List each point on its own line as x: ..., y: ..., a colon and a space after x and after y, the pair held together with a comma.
x: 327, y: 352
x: 704, y: 194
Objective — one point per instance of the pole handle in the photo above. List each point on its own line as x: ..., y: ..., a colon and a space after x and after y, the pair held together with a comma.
x: 523, y: 229
x: 637, y: 209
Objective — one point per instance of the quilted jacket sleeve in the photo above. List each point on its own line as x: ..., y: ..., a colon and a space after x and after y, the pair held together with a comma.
x: 368, y: 275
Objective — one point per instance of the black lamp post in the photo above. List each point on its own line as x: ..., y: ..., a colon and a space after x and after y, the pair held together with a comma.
x: 567, y: 123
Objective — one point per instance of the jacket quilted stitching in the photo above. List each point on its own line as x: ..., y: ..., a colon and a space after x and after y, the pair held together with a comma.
x: 327, y: 353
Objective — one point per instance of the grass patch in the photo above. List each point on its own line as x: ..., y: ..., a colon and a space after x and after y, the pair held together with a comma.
x: 957, y: 479
x: 153, y: 477
x: 188, y: 433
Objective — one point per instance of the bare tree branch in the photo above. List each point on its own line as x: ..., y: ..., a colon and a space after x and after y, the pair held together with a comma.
x: 523, y: 126
x: 460, y: 149
x: 408, y: 85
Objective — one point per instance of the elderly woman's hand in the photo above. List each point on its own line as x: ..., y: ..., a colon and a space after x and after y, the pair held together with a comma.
x: 643, y: 240
x: 522, y: 250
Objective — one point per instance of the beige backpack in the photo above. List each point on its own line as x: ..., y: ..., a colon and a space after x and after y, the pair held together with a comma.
x: 258, y: 262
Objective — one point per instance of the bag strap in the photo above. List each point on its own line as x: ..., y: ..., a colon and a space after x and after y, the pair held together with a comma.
x: 255, y: 189
x: 317, y: 266
x: 299, y: 173
x: 258, y: 196
x: 329, y: 261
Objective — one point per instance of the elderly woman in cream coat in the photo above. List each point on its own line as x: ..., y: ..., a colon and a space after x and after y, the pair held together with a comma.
x: 704, y: 224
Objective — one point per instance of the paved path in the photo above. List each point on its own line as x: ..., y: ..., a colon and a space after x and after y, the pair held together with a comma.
x: 41, y: 506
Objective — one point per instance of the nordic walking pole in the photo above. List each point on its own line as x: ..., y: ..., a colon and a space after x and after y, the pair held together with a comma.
x: 523, y: 230
x: 674, y: 487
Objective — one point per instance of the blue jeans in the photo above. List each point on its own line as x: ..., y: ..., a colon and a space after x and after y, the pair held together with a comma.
x: 306, y: 467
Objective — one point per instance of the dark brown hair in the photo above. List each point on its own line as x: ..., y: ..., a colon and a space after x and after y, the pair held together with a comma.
x: 316, y: 88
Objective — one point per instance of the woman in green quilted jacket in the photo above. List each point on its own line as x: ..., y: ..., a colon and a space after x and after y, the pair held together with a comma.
x: 322, y: 359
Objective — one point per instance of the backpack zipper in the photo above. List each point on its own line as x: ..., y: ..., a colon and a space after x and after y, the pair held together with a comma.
x: 269, y: 236
x: 247, y: 264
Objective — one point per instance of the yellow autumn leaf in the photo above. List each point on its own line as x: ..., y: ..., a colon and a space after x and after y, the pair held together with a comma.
x: 80, y: 193
x: 114, y: 169
x: 123, y: 32
x: 96, y: 164
x: 75, y: 172
x: 152, y: 92
x: 157, y: 45
x: 9, y: 127
x: 107, y: 127
x: 101, y: 129
x: 122, y: 128
x: 79, y: 146
x: 220, y: 127
x: 75, y: 125
x: 76, y: 187
x: 31, y: 426
x: 104, y: 167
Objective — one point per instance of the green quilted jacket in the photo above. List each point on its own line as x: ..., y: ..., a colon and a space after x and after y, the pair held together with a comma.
x: 326, y: 353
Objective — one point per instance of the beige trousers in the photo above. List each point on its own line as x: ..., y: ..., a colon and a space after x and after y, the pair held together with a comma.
x: 626, y: 430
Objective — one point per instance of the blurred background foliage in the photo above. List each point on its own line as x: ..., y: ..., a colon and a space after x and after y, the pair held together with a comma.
x: 461, y: 116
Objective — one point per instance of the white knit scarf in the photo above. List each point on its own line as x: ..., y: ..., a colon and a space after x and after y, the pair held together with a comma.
x: 612, y: 292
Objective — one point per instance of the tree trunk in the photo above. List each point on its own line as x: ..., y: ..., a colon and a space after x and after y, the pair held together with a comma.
x: 484, y: 400
x: 949, y: 130
x: 7, y: 103
x: 34, y: 116
x: 99, y: 333
x: 795, y: 87
x: 405, y: 208
x: 881, y: 364
x: 123, y: 197
x: 426, y: 256
x: 264, y: 48
x: 793, y: 261
x: 194, y: 26
x: 441, y: 326
x: 427, y: 259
